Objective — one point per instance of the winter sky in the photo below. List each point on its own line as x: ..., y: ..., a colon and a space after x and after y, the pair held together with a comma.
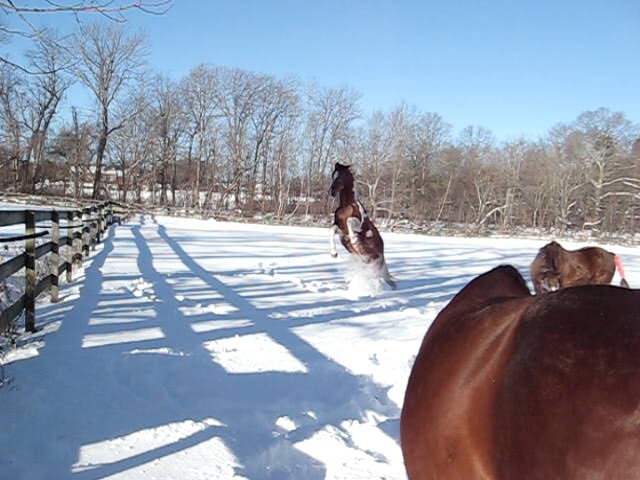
x: 516, y: 68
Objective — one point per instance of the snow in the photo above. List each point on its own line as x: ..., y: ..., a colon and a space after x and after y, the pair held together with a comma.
x: 199, y: 349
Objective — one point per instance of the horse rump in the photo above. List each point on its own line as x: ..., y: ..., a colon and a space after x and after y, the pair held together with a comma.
x: 511, y: 385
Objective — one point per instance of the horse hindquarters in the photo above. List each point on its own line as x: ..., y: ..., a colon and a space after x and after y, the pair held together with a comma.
x: 374, y: 247
x: 446, y: 423
x: 447, y: 428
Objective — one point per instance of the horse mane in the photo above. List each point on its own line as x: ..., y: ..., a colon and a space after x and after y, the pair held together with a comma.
x: 550, y: 252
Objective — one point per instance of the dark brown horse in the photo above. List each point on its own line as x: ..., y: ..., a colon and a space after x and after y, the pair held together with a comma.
x: 357, y: 232
x: 507, y: 385
x: 554, y: 267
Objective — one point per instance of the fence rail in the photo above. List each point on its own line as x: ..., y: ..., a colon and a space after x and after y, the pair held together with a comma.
x: 85, y: 228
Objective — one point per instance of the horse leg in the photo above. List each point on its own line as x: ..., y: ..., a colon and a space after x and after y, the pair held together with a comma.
x: 354, y: 226
x: 332, y: 240
x: 386, y: 275
x: 620, y: 268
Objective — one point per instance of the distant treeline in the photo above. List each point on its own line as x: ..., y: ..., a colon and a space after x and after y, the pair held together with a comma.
x: 225, y: 138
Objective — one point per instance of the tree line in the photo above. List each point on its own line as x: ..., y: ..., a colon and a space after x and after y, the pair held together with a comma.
x: 226, y: 139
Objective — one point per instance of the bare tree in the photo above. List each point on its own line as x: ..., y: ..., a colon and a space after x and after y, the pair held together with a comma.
x: 237, y: 96
x: 12, y: 102
x: 132, y: 149
x: 200, y: 109
x: 328, y: 129
x: 74, y: 144
x: 606, y: 140
x: 109, y: 61
x: 20, y: 19
x: 531, y: 174
x: 430, y: 135
x: 374, y: 155
x: 166, y: 122
x: 476, y: 145
x: 276, y: 105
x: 45, y: 92
x: 284, y: 165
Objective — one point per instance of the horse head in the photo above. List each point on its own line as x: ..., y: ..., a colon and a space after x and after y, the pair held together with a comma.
x: 549, y: 282
x: 545, y: 268
x: 342, y: 179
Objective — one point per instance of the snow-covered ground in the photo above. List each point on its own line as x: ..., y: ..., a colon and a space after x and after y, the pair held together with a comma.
x: 206, y: 350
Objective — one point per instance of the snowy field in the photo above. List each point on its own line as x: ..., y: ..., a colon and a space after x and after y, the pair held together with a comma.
x: 205, y: 350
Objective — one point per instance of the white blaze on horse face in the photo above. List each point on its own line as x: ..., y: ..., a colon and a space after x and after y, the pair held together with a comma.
x: 550, y: 284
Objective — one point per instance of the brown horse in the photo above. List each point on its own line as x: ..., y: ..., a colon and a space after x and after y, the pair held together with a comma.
x: 357, y: 232
x: 554, y: 267
x: 507, y: 385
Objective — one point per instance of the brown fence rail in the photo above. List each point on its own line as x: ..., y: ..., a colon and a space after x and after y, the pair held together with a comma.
x: 85, y: 228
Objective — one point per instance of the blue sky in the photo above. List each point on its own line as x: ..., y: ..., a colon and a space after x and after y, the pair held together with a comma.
x: 515, y: 67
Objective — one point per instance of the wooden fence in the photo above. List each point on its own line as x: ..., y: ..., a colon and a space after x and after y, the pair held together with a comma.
x: 85, y: 228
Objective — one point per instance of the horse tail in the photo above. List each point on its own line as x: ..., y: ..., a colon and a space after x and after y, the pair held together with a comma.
x: 386, y: 275
x: 619, y: 267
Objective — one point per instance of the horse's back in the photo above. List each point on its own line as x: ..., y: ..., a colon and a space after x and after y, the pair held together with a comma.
x: 569, y: 402
x: 601, y: 264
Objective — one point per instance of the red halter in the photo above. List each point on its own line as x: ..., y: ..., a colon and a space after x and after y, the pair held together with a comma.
x: 618, y: 263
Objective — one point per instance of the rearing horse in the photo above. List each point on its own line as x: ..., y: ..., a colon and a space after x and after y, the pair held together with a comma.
x: 357, y: 232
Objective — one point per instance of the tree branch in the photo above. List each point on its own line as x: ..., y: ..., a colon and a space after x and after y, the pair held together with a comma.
x: 153, y: 8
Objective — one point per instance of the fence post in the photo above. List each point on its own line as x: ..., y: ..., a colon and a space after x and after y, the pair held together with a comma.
x: 99, y: 229
x: 69, y: 247
x: 86, y: 229
x: 93, y: 227
x: 30, y: 271
x: 55, y: 251
x: 77, y: 238
x: 107, y: 218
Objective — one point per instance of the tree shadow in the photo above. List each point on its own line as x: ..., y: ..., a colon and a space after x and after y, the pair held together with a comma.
x: 101, y: 382
x: 142, y: 349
